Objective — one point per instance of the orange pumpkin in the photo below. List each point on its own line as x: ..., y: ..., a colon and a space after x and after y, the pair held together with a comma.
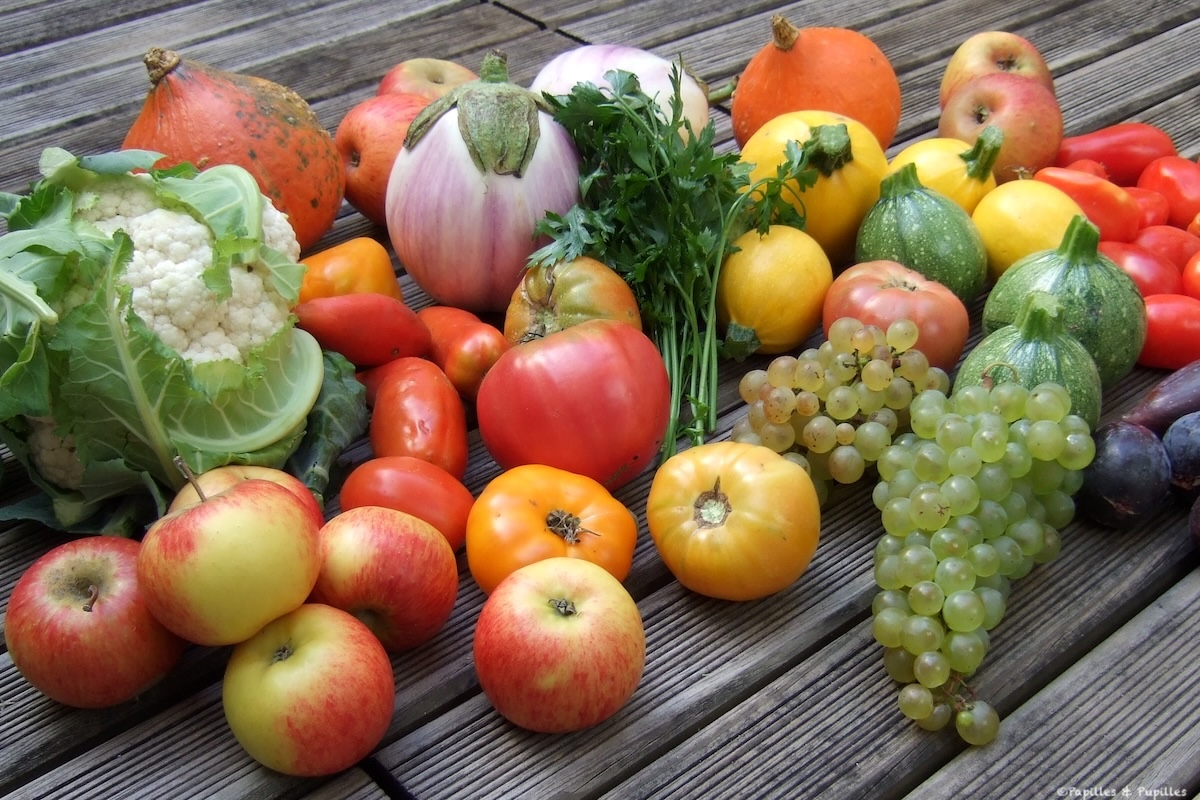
x: 825, y: 69
x: 207, y: 116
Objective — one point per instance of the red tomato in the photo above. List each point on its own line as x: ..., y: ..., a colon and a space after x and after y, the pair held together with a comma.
x: 1124, y: 149
x: 337, y: 322
x: 1153, y: 205
x: 1109, y: 207
x: 1152, y: 273
x: 413, y: 486
x: 593, y: 399
x: 881, y: 292
x: 464, y: 346
x: 1172, y: 331
x: 1190, y: 279
x: 1177, y: 179
x: 418, y: 413
x: 1174, y: 244
x: 1088, y: 165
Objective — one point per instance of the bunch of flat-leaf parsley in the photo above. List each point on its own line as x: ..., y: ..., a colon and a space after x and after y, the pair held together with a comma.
x: 661, y: 207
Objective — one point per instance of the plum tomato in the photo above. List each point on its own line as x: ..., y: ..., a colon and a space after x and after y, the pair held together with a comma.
x: 1152, y: 273
x: 1172, y: 331
x: 419, y: 413
x: 414, y: 486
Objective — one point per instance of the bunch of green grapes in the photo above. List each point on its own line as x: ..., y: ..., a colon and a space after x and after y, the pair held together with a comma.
x: 835, y: 408
x: 971, y: 499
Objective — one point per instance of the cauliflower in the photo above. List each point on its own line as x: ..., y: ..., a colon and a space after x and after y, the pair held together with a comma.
x: 54, y: 456
x: 171, y: 252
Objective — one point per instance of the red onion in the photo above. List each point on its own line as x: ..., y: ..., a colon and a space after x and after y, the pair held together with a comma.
x: 479, y: 168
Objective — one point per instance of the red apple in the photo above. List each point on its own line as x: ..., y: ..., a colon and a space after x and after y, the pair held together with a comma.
x: 368, y: 139
x: 559, y: 646
x: 395, y: 572
x: 426, y: 77
x: 78, y: 628
x: 1026, y: 111
x: 993, y: 51
x: 219, y: 479
x: 310, y: 694
x: 216, y: 572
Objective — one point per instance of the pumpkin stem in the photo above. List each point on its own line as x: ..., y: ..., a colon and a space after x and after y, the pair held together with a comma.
x: 783, y: 32
x: 981, y: 158
x: 160, y: 62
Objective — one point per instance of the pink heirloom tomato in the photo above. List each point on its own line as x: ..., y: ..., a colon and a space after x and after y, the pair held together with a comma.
x: 593, y: 399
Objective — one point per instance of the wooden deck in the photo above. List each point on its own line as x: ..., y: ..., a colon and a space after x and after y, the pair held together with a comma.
x: 1095, y: 669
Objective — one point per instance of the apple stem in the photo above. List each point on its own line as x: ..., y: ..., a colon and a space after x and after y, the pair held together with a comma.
x: 182, y: 466
x: 93, y: 595
x: 282, y: 653
x: 564, y: 607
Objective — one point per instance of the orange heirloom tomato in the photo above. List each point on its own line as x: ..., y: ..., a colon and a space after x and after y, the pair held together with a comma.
x: 534, y: 512
x: 733, y: 521
x: 356, y: 266
x: 565, y: 293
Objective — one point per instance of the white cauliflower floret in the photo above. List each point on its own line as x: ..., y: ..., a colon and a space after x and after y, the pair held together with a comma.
x: 53, y: 456
x: 171, y: 252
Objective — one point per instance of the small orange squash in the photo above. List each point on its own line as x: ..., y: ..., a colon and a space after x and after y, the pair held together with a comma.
x: 825, y: 69
x: 207, y: 116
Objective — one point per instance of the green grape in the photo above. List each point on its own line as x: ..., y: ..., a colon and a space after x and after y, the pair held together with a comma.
x: 953, y: 431
x: 845, y: 433
x: 1051, y: 546
x: 841, y: 332
x: 898, y: 663
x: 1024, y: 567
x: 938, y: 718
x: 997, y: 582
x: 1072, y: 481
x: 1016, y: 460
x: 896, y: 517
x: 978, y: 723
x: 876, y: 375
x: 1029, y: 534
x: 880, y: 495
x: 1010, y: 555
x: 887, y: 572
x: 1008, y: 400
x: 841, y: 403
x: 993, y: 519
x: 869, y: 400
x: 781, y: 372
x: 799, y: 459
x: 890, y: 598
x: 948, y: 542
x: 970, y: 527
x: 1047, y: 401
x: 779, y: 404
x: 1045, y: 440
x: 993, y: 482
x: 810, y: 375
x: 871, y: 440
x: 930, y: 462
x: 964, y: 650
x: 1060, y: 508
x: 964, y: 461
x: 902, y: 335
x: 846, y: 464
x: 915, y: 701
x: 844, y: 367
x: 970, y: 400
x: 917, y: 563
x: 952, y: 574
x: 898, y: 394
x: 929, y: 508
x: 921, y: 634
x: 916, y: 538
x: 913, y: 366
x: 886, y: 417
x: 984, y: 559
x: 778, y: 437
x: 892, y: 459
x: 990, y: 444
x: 963, y: 611
x: 937, y: 379
x: 994, y: 606
x: 750, y: 384
x: 925, y: 597
x: 867, y: 338
x: 888, y: 626
x: 1073, y: 423
x: 1045, y: 476
x: 932, y: 668
x: 907, y: 440
x: 888, y: 545
x: 1015, y: 505
x: 962, y: 493
x: 1079, y: 449
x: 820, y: 434
x: 903, y: 483
x: 807, y: 403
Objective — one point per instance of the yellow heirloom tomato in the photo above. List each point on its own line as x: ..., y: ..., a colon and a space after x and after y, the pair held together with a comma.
x: 954, y: 168
x: 849, y: 163
x: 1022, y: 217
x: 733, y: 521
x: 771, y: 290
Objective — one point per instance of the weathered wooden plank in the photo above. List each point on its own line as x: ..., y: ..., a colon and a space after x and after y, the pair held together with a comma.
x: 1125, y: 717
x: 27, y: 25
